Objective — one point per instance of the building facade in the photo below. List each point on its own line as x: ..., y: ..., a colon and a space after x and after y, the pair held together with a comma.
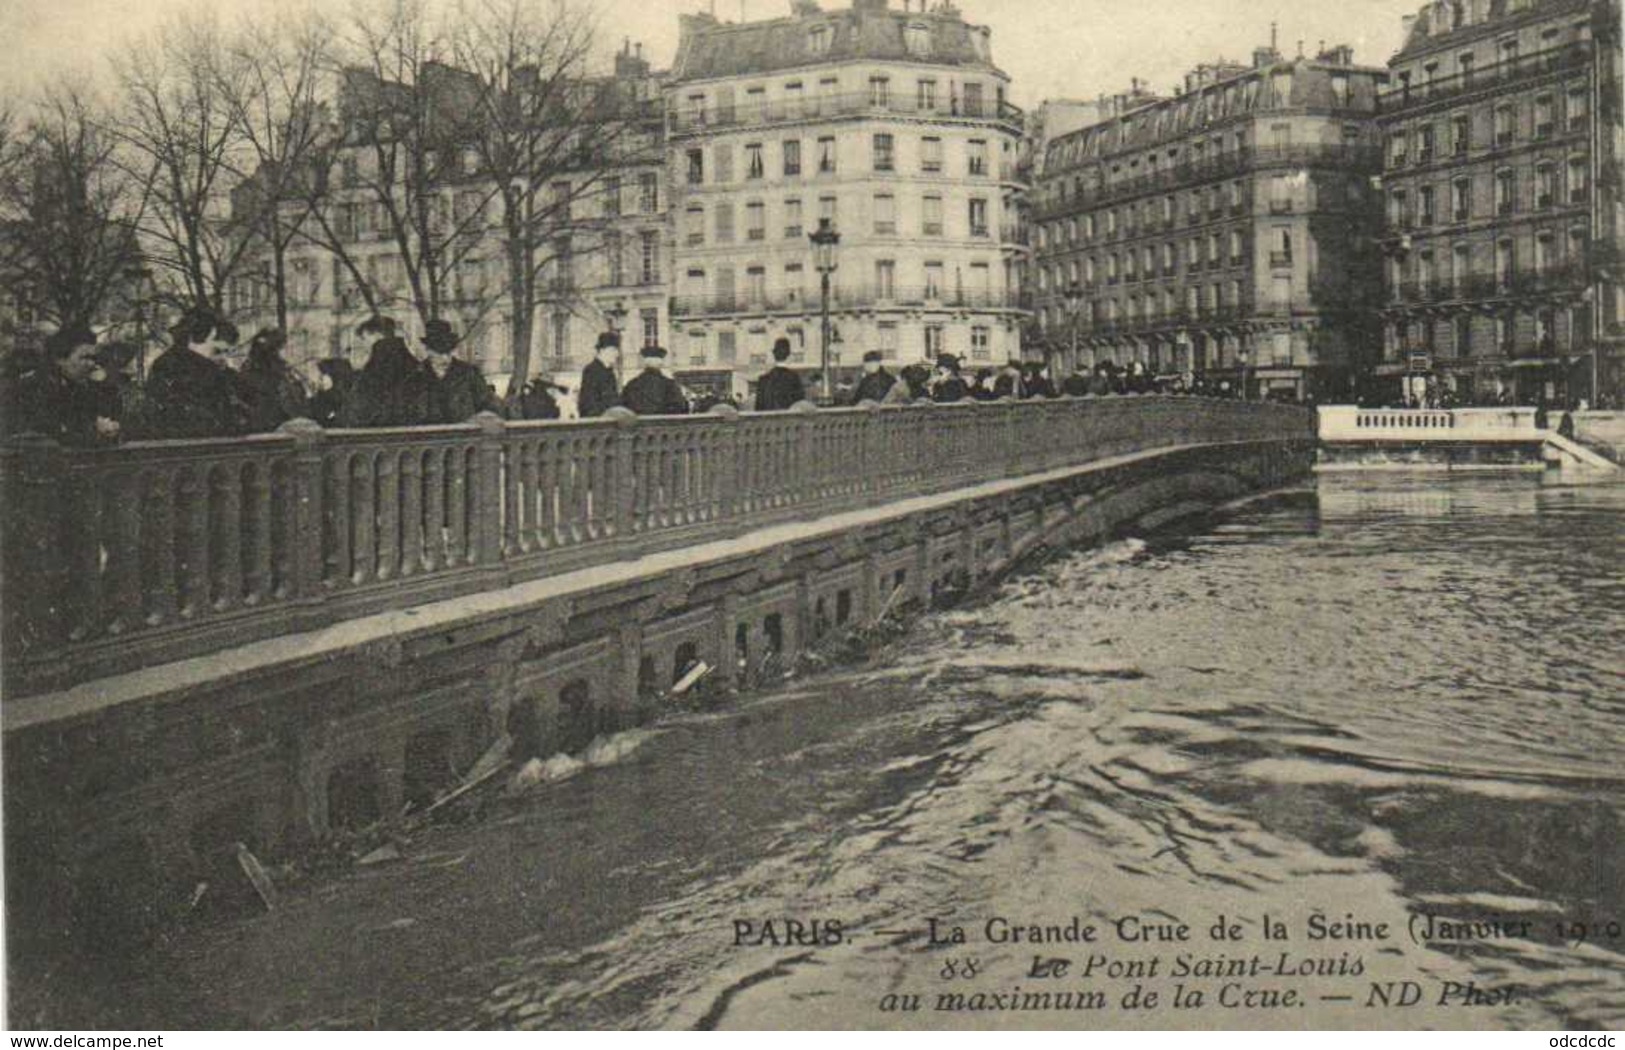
x: 1230, y: 231
x: 607, y: 267
x: 1502, y: 132
x: 891, y: 126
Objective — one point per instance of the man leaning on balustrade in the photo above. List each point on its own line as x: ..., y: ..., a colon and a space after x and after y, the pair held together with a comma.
x: 61, y: 400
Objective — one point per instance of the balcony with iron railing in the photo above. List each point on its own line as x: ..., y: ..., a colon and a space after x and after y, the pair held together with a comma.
x: 681, y: 119
x: 1358, y: 159
x: 1502, y: 74
x: 843, y: 297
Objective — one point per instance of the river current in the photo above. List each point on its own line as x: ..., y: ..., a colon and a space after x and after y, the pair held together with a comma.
x: 1374, y: 699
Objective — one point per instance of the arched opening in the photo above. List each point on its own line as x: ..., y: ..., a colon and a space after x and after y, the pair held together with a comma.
x: 578, y: 724
x: 688, y: 655
x: 648, y: 678
x: 525, y: 727
x: 773, y: 633
x: 352, y: 794
x: 429, y: 767
x: 843, y: 607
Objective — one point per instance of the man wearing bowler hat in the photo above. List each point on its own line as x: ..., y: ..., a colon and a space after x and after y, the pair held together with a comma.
x: 455, y: 389
x: 779, y: 388
x: 876, y: 382
x: 600, y: 391
x: 653, y: 393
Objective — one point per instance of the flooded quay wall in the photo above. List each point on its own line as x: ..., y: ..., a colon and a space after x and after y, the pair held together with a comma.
x: 113, y: 810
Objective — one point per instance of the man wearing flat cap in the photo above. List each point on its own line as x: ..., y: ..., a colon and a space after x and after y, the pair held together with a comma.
x: 652, y: 392
x: 455, y: 389
x: 600, y: 391
x: 876, y: 382
x: 779, y: 387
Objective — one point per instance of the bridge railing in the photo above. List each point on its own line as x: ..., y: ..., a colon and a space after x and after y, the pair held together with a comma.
x: 1350, y: 423
x: 124, y: 557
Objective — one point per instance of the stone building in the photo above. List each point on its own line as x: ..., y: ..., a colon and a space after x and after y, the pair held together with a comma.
x: 892, y: 126
x: 1502, y: 131
x: 607, y: 266
x: 1231, y: 230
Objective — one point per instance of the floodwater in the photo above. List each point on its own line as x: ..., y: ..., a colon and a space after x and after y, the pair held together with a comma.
x: 1374, y: 699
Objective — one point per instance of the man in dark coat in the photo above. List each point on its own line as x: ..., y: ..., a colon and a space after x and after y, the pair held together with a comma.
x: 779, y: 387
x: 876, y: 382
x: 1009, y: 383
x: 600, y: 391
x: 190, y: 393
x: 946, y: 386
x: 454, y: 391
x: 60, y: 399
x: 334, y: 387
x: 652, y: 392
x: 1036, y: 382
x: 389, y: 391
x: 538, y: 402
x: 1075, y: 385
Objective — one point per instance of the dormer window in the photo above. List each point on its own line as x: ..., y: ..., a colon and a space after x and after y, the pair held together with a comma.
x: 818, y: 39
x: 917, y: 39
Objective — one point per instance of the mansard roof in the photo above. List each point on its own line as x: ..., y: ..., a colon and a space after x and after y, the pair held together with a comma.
x: 869, y: 31
x: 1449, y: 23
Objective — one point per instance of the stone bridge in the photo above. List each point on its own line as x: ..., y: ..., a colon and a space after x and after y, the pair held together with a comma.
x: 260, y: 640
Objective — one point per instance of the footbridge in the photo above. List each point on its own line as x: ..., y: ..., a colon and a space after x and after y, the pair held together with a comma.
x: 261, y: 640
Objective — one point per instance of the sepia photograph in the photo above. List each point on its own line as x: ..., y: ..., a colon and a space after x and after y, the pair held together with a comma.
x: 806, y: 515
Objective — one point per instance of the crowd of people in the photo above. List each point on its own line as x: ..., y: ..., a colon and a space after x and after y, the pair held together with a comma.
x: 208, y: 383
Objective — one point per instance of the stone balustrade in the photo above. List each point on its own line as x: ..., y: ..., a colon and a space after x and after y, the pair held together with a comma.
x: 126, y: 557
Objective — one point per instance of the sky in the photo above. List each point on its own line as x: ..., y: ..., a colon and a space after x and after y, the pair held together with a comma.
x: 1051, y: 48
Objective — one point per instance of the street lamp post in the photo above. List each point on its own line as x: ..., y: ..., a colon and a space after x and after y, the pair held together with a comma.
x: 1074, y: 304
x: 824, y: 241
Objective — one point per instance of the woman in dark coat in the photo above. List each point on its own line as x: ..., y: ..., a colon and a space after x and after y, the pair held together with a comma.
x: 270, y: 388
x: 338, y: 379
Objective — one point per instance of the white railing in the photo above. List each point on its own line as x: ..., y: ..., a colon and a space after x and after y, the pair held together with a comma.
x: 1349, y: 423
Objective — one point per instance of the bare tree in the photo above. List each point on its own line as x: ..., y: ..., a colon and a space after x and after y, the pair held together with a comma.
x: 269, y: 80
x: 182, y: 136
x: 550, y: 138
x: 69, y: 212
x: 406, y: 123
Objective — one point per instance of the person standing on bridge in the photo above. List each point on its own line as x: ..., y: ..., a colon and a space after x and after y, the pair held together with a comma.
x: 653, y: 393
x: 600, y: 391
x: 60, y: 400
x: 946, y: 386
x: 876, y: 382
x: 1010, y: 384
x: 270, y: 388
x: 389, y: 390
x: 779, y: 387
x: 455, y: 390
x: 190, y: 392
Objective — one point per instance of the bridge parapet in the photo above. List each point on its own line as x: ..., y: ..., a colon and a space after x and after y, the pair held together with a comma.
x: 126, y: 557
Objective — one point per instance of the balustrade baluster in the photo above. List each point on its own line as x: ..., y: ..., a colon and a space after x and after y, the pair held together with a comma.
x: 125, y: 499
x: 434, y: 508
x: 83, y: 536
x: 340, y: 547
x: 461, y: 464
x: 550, y: 499
x: 161, y: 580
x: 363, y: 517
x: 387, y: 507
x: 410, y: 470
x: 226, y: 526
x: 519, y: 499
x: 259, y: 517
x: 193, y: 551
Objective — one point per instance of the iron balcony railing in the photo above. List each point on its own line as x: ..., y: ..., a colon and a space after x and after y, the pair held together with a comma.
x: 846, y: 297
x: 683, y: 118
x: 1502, y: 74
x: 1359, y: 159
